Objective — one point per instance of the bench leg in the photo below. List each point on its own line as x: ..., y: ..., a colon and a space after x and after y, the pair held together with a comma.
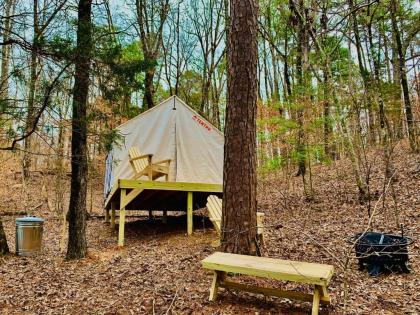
x: 218, y: 276
x: 214, y: 286
x: 315, y: 303
x: 165, y: 217
x: 324, y: 292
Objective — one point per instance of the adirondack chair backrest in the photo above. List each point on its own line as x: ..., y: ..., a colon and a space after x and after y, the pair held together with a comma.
x: 139, y: 165
x: 214, y: 206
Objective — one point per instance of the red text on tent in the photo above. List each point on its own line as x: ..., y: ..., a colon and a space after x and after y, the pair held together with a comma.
x: 201, y: 122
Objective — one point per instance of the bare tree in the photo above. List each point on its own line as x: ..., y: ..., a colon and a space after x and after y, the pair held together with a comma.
x: 151, y: 17
x: 208, y: 27
x: 178, y: 48
x: 402, y: 74
x: 40, y: 25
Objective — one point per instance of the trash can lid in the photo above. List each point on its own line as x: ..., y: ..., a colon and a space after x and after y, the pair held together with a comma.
x: 29, y: 219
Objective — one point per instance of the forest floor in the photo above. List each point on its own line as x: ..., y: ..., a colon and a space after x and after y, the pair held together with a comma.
x: 159, y: 272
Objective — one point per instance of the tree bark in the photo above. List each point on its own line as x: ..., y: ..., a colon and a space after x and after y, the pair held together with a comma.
x: 240, y: 179
x: 4, y: 249
x: 79, y: 167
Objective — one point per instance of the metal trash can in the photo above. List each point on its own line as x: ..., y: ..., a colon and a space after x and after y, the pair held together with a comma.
x: 28, y: 235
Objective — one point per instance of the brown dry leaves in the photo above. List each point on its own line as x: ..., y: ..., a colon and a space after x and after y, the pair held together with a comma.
x: 159, y: 270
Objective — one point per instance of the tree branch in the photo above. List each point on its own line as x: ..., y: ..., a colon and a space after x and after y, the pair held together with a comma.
x: 45, y: 104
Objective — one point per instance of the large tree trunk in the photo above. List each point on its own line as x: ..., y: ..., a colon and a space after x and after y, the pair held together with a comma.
x: 403, y: 77
x: 79, y: 166
x: 240, y: 179
x: 4, y: 249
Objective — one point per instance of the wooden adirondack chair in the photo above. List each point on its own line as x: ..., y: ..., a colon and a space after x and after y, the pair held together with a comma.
x: 143, y: 166
x: 214, y: 207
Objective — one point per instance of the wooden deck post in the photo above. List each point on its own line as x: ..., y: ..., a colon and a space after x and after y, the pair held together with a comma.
x: 106, y: 215
x: 165, y: 217
x: 112, y: 215
x: 190, y: 213
x: 121, y: 224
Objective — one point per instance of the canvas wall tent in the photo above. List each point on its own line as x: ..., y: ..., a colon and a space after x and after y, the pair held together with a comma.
x: 170, y: 130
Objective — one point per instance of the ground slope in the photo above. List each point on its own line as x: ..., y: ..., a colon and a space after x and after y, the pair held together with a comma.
x: 158, y: 271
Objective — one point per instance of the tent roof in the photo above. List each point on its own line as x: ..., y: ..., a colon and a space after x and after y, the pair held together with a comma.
x: 175, y: 99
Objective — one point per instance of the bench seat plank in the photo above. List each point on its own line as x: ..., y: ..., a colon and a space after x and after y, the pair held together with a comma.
x: 303, y: 272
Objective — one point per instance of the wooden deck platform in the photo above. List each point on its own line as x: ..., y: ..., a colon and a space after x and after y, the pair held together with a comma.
x: 129, y: 194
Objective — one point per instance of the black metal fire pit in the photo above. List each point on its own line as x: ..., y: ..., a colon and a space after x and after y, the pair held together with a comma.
x: 379, y: 252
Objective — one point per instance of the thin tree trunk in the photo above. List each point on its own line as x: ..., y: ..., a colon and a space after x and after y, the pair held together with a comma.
x: 326, y: 70
x: 240, y: 181
x: 267, y: 84
x: 151, y: 16
x: 205, y: 92
x: 403, y: 78
x: 286, y: 73
x: 27, y: 160
x: 362, y: 68
x: 4, y: 248
x: 327, y: 106
x: 79, y: 167
x: 303, y: 84
x: 375, y: 56
x: 5, y: 53
x: 149, y: 89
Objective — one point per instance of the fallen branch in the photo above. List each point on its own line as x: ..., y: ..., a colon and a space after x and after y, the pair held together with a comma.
x: 12, y: 213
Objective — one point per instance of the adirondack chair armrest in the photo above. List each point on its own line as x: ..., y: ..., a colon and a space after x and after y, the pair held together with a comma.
x: 163, y: 162
x: 141, y: 157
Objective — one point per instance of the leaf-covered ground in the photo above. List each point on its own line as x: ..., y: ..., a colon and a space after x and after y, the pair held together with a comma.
x: 158, y: 271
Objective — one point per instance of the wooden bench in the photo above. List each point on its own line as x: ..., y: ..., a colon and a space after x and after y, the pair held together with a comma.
x: 214, y: 207
x: 318, y: 275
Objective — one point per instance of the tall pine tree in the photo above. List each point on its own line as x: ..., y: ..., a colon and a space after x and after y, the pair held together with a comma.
x: 240, y: 179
